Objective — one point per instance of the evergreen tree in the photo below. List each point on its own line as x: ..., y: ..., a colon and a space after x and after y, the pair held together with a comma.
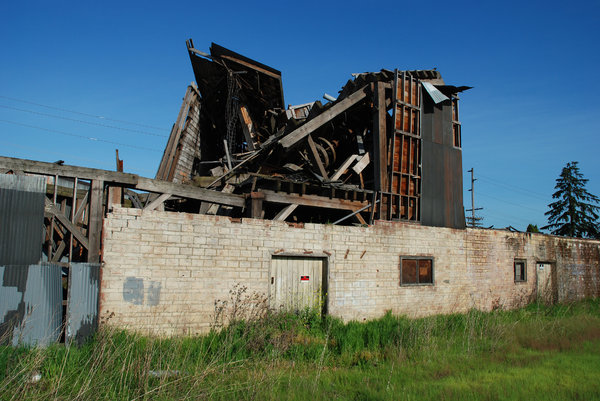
x: 575, y: 213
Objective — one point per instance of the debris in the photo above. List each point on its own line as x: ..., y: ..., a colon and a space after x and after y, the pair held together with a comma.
x: 386, y: 148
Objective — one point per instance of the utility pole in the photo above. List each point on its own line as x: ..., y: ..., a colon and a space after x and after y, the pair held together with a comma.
x: 473, y: 221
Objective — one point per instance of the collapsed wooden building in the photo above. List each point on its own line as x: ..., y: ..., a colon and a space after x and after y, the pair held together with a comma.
x: 387, y: 148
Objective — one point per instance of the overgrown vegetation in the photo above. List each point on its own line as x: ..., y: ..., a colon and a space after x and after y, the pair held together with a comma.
x: 537, y: 352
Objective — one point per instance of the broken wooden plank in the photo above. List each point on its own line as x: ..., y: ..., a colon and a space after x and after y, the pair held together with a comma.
x: 312, y: 200
x: 301, y: 132
x: 344, y: 167
x: 214, y: 208
x: 188, y: 191
x: 44, y: 168
x: 247, y: 126
x: 158, y: 201
x: 285, y: 212
x: 362, y: 163
x: 64, y: 220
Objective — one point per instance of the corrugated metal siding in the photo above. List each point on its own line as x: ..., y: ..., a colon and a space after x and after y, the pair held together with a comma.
x: 442, y: 191
x: 21, y: 219
x: 434, y: 92
x: 30, y: 304
x: 82, y: 304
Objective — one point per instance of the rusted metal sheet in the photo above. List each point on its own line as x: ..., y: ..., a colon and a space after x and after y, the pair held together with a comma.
x: 30, y: 304
x: 82, y: 302
x: 21, y: 219
x: 442, y: 191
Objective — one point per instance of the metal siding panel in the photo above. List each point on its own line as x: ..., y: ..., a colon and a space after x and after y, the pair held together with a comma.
x: 31, y: 304
x: 82, y: 304
x: 434, y: 92
x: 21, y: 219
x: 442, y: 199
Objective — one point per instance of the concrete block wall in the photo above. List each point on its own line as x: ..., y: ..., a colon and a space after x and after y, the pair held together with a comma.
x: 164, y: 271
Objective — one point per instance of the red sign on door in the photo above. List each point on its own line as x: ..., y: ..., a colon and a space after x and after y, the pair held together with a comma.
x: 304, y: 278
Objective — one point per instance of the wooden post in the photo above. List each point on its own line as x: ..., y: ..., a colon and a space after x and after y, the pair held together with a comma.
x: 379, y: 142
x: 256, y: 207
x: 95, y: 222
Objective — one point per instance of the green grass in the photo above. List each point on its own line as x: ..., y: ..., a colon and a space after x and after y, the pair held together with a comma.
x: 534, y: 353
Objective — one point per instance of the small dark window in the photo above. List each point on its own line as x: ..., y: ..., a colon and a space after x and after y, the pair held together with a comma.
x: 416, y: 271
x: 520, y: 271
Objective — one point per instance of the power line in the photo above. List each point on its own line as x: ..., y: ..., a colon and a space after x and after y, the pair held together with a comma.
x: 82, y: 121
x: 79, y: 136
x: 510, y: 203
x: 513, y: 187
x: 81, y: 113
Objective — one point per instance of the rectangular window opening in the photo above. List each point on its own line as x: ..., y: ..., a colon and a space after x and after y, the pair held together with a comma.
x: 416, y: 270
x: 520, y: 269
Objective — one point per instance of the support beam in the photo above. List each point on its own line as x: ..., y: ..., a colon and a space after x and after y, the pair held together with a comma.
x: 312, y: 200
x: 379, y: 138
x: 247, y: 126
x: 158, y: 201
x: 188, y: 191
x: 95, y: 221
x: 256, y: 207
x: 294, y: 137
x: 64, y: 220
x: 285, y: 212
x: 343, y: 167
x: 30, y: 166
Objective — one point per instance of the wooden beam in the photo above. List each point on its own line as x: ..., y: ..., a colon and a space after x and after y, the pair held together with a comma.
x: 95, y: 221
x: 343, y: 167
x: 316, y: 159
x: 247, y: 126
x: 312, y: 200
x: 250, y: 65
x: 285, y: 212
x: 30, y: 166
x: 214, y: 208
x: 64, y: 220
x: 189, y: 191
x: 362, y: 163
x: 158, y: 201
x: 256, y: 207
x: 379, y: 138
x: 301, y: 132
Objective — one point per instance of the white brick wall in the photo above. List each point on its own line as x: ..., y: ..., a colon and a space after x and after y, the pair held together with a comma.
x: 186, y: 262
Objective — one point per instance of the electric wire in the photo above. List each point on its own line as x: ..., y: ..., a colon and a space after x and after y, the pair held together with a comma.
x: 81, y: 113
x: 528, y: 192
x: 79, y: 136
x: 508, y: 202
x: 82, y: 121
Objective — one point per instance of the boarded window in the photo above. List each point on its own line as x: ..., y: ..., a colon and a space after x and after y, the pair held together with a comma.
x: 416, y: 271
x: 520, y: 270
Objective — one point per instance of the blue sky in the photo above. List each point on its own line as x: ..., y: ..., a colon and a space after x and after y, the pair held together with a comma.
x: 533, y: 66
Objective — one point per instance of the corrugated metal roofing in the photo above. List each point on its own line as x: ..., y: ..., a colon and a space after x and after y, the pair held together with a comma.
x: 21, y: 219
x: 434, y: 92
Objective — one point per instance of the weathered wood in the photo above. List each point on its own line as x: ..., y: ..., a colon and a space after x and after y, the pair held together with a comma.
x: 285, y: 212
x: 343, y: 167
x: 312, y: 200
x: 168, y: 158
x: 44, y: 168
x: 256, y: 207
x: 247, y: 126
x: 362, y: 163
x: 214, y: 208
x: 252, y: 66
x: 64, y: 220
x: 95, y: 221
x: 188, y: 191
x: 59, y: 251
x: 301, y: 132
x: 379, y: 138
x: 158, y: 201
x: 314, y: 156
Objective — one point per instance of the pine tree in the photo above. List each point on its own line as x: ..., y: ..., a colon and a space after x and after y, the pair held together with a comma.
x: 575, y: 213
